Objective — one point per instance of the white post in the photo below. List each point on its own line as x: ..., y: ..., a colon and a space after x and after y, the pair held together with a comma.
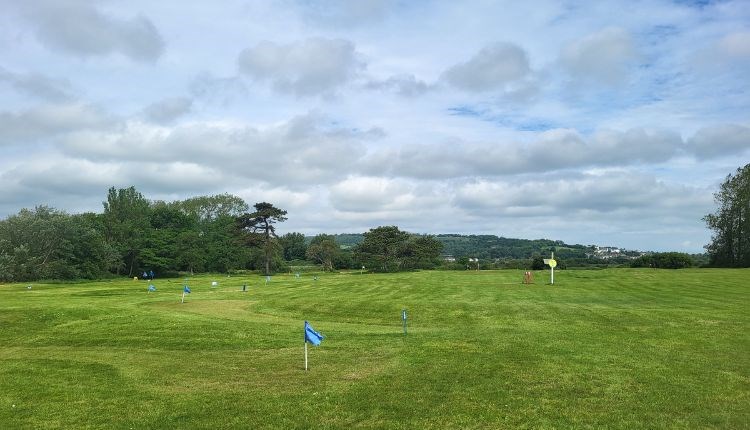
x: 305, y: 355
x: 183, y: 296
x: 552, y: 271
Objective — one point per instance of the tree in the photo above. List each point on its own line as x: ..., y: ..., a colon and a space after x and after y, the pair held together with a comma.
x: 422, y: 252
x: 48, y: 244
x: 664, y: 260
x: 294, y: 246
x: 259, y: 229
x: 323, y: 249
x: 209, y: 208
x: 126, y: 223
x: 537, y: 262
x: 382, y: 249
x: 730, y: 243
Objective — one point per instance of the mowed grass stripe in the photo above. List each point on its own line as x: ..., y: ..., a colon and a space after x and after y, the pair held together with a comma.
x: 611, y: 348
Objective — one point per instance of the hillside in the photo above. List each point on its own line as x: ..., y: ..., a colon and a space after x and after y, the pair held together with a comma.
x: 490, y: 246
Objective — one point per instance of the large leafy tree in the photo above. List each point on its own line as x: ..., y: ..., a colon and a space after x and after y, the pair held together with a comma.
x: 126, y: 224
x: 294, y: 246
x: 323, y: 249
x: 730, y: 243
x: 260, y: 231
x: 383, y: 248
x: 48, y: 244
x: 423, y: 252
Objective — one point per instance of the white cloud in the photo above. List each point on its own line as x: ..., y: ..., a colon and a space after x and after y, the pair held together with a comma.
x: 406, y: 85
x: 490, y: 69
x: 168, y: 110
x: 79, y: 28
x: 553, y: 150
x: 620, y: 194
x: 310, y: 67
x: 300, y: 151
x: 50, y: 121
x: 38, y: 85
x: 605, y: 57
x: 725, y: 140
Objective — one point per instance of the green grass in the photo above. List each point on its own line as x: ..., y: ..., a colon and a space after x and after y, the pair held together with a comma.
x: 599, y: 349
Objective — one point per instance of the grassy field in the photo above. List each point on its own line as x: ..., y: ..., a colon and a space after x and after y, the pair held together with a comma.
x: 599, y: 349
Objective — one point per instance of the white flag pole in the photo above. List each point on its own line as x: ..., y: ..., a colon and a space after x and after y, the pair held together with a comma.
x: 552, y: 271
x: 305, y: 355
x: 183, y: 296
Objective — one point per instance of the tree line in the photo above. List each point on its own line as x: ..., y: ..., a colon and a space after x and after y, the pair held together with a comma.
x: 217, y: 233
x: 730, y: 243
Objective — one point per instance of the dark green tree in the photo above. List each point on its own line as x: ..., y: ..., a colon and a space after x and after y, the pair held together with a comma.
x: 382, y: 248
x: 537, y: 263
x: 259, y: 229
x: 294, y: 246
x: 126, y: 224
x: 422, y: 252
x: 324, y: 250
x: 730, y: 243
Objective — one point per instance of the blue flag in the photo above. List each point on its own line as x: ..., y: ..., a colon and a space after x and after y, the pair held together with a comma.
x: 311, y: 335
x: 186, y: 289
x: 151, y: 288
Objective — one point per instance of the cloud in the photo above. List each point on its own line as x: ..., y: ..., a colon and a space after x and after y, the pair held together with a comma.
x: 555, y: 149
x: 78, y: 27
x: 303, y: 150
x: 620, y: 194
x: 365, y: 194
x: 603, y: 58
x: 720, y: 141
x: 167, y: 110
x: 50, y: 121
x: 490, y: 69
x: 406, y: 85
x: 310, y: 67
x: 38, y: 85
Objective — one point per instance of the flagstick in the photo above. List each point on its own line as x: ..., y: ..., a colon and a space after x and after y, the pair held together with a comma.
x: 183, y: 296
x: 552, y: 272
x: 305, y: 355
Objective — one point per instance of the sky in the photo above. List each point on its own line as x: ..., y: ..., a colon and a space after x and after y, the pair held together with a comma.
x: 607, y: 122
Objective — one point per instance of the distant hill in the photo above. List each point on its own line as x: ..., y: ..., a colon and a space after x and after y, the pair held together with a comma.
x: 489, y: 246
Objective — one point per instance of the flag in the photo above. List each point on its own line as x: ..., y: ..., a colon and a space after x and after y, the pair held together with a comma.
x: 311, y: 335
x: 151, y: 288
x: 186, y: 289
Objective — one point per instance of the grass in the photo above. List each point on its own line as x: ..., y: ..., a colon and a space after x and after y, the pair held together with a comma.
x: 599, y: 349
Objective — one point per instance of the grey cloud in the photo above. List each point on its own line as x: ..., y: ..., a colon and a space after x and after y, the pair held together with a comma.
x: 605, y: 57
x: 406, y: 85
x: 50, y: 121
x: 38, y: 85
x: 719, y: 141
x: 79, y: 28
x: 61, y: 180
x: 167, y: 110
x: 310, y: 67
x: 553, y: 150
x: 585, y: 197
x: 301, y: 151
x: 490, y: 69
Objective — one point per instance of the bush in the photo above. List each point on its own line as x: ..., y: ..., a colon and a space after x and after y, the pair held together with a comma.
x: 664, y: 260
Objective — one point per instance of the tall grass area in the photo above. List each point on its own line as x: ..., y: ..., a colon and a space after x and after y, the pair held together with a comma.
x: 621, y: 348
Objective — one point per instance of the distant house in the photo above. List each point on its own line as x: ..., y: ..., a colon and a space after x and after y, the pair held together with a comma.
x: 449, y: 258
